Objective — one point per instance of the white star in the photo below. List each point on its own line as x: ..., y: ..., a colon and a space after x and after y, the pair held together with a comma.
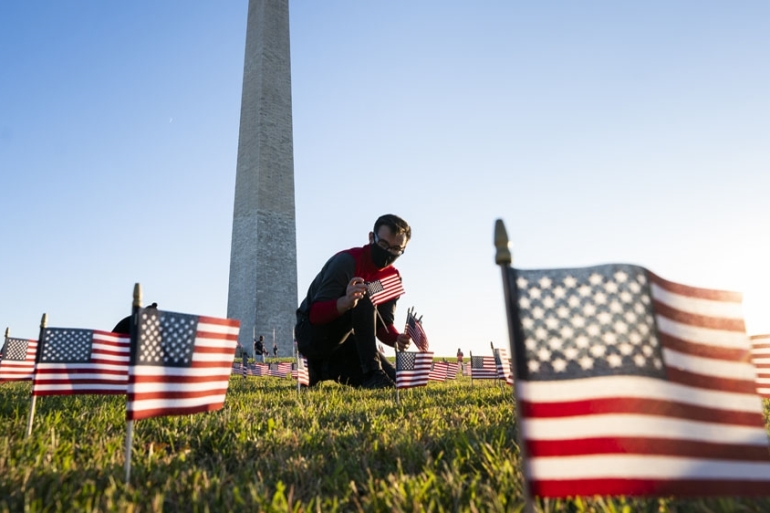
x: 600, y: 298
x: 545, y: 282
x: 581, y: 341
x: 554, y: 343
x: 611, y: 287
x: 578, y: 321
x: 521, y: 283
x: 552, y: 323
x: 573, y: 301
x: 621, y: 276
x: 534, y: 292
x: 548, y: 302
x: 598, y: 350
x: 559, y: 292
x: 571, y: 353
x: 658, y: 364
x: 528, y: 323
x: 524, y: 303
x: 609, y: 338
x: 559, y: 365
x: 626, y: 349
x: 634, y: 287
x: 647, y: 350
x: 642, y: 279
x: 604, y: 317
x: 593, y: 330
x: 530, y: 344
x: 595, y: 279
x: 589, y: 310
x: 570, y: 282
x: 544, y: 354
x: 567, y: 332
x: 563, y: 312
x: 653, y: 341
x: 620, y: 327
x: 644, y: 299
x: 634, y: 337
x: 630, y: 317
x: 639, y: 360
x: 538, y: 312
x: 639, y: 308
x: 584, y: 290
x: 615, y: 360
x: 626, y: 296
x: 586, y: 362
x: 541, y: 333
x: 643, y: 329
x: 615, y: 306
x: 533, y: 366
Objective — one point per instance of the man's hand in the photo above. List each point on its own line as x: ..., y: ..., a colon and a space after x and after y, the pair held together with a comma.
x: 403, y: 341
x: 355, y: 290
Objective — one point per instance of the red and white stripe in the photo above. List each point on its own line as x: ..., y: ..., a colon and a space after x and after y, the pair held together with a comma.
x: 760, y: 356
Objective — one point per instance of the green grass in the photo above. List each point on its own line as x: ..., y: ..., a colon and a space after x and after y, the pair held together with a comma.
x: 444, y: 447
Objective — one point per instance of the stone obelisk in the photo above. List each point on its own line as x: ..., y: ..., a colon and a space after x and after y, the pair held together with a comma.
x: 263, y: 256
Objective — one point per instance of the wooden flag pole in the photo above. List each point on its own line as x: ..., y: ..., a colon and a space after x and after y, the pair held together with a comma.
x: 33, y: 400
x: 504, y: 259
x: 134, y: 347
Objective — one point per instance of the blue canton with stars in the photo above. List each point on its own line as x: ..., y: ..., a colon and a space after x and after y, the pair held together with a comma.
x: 64, y: 345
x: 15, y: 349
x: 165, y: 338
x: 579, y: 323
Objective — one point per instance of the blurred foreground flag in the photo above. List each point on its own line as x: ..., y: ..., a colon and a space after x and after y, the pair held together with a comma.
x: 385, y: 289
x: 760, y: 355
x: 18, y: 359
x: 180, y: 363
x: 81, y: 361
x: 633, y: 385
x: 412, y: 368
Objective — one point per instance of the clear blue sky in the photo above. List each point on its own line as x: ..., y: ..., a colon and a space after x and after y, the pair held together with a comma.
x: 599, y: 131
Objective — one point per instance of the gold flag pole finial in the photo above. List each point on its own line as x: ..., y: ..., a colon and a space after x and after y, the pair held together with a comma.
x: 503, y: 255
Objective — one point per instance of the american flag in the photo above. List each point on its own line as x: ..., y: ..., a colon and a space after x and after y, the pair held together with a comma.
x: 180, y: 364
x: 303, y: 377
x: 634, y: 385
x: 80, y: 361
x: 451, y: 371
x: 414, y: 329
x: 439, y: 371
x: 280, y: 370
x: 260, y: 369
x: 386, y: 288
x: 760, y: 355
x: 18, y: 359
x: 483, y: 367
x: 412, y: 368
x: 503, y: 365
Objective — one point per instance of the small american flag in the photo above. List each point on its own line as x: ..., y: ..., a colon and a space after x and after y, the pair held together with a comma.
x: 260, y: 369
x: 18, y: 359
x: 280, y: 370
x: 303, y: 376
x: 414, y: 329
x: 439, y: 371
x: 630, y: 384
x: 760, y: 355
x: 451, y: 371
x: 385, y: 289
x: 80, y: 361
x: 180, y: 364
x: 412, y: 368
x: 483, y: 367
x: 503, y: 365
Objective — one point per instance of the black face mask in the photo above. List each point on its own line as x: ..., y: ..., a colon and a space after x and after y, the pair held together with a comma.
x: 382, y: 258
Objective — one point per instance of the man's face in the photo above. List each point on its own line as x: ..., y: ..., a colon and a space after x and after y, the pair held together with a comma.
x: 395, y: 244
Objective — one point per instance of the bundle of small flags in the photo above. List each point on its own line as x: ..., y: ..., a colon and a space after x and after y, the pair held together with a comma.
x: 414, y: 329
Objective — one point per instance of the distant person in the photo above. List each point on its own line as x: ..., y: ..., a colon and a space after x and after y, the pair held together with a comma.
x: 460, y: 355
x: 275, y: 349
x: 124, y: 325
x: 259, y: 349
x: 337, y: 324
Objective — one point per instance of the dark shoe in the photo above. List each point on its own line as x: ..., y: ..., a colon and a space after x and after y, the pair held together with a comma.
x: 377, y: 379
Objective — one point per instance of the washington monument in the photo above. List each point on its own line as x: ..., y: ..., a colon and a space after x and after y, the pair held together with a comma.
x: 263, y: 256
